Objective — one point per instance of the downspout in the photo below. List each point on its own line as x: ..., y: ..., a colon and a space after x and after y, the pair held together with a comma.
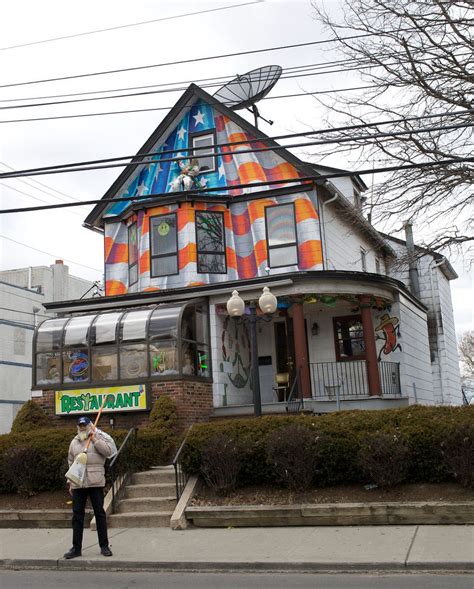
x: 434, y: 264
x: 413, y: 269
x: 30, y: 277
x: 332, y: 190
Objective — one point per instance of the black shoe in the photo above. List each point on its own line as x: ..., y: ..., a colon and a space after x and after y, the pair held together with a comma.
x: 73, y: 553
x: 106, y: 551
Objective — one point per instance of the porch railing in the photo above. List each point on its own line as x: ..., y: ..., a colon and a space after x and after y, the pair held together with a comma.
x: 294, y: 403
x: 180, y: 476
x: 347, y: 380
x: 122, y: 464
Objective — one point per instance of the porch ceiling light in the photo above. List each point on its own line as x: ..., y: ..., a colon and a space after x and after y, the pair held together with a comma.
x: 235, y: 305
x: 267, y: 301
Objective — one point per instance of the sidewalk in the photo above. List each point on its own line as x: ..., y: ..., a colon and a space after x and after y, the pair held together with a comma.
x: 366, y: 548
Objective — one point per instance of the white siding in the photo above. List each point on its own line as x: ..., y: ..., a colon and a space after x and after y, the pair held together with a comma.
x: 415, y: 366
x: 342, y: 242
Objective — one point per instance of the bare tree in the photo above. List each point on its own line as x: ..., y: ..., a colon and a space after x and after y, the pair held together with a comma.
x: 466, y: 353
x: 416, y: 57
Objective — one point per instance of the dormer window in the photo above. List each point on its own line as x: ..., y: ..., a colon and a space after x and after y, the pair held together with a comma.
x: 163, y: 245
x: 281, y: 235
x: 205, y: 141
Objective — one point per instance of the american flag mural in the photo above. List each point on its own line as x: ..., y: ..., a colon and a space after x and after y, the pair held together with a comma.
x: 244, y: 228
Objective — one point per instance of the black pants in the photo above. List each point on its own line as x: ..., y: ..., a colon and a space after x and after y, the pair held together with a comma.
x: 79, y: 499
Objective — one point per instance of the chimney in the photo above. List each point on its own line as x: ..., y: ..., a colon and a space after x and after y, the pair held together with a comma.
x: 412, y: 265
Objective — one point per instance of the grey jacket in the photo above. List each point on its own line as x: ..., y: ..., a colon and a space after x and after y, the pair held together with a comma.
x: 99, y: 450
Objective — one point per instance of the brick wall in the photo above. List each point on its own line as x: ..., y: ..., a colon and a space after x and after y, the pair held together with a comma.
x: 193, y: 400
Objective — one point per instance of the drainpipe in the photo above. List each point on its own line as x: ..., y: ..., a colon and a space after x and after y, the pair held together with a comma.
x: 413, y: 269
x: 332, y: 190
x: 30, y: 277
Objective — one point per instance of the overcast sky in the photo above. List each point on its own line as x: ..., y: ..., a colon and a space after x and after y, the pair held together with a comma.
x: 228, y: 26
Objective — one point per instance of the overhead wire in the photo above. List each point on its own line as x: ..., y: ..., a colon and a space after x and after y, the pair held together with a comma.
x: 49, y: 253
x: 35, y: 197
x: 299, y: 180
x: 145, y: 22
x: 93, y: 164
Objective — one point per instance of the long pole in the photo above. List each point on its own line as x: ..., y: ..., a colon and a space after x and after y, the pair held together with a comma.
x: 257, y: 401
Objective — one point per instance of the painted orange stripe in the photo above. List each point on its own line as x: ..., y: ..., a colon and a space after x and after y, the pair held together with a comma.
x: 151, y: 288
x: 108, y: 243
x: 144, y: 264
x: 117, y: 254
x: 247, y: 267
x: 310, y: 254
x: 114, y: 287
x: 250, y: 172
x: 196, y: 284
x: 185, y: 216
x: 281, y: 171
x: 231, y: 258
x: 256, y: 208
x: 304, y: 210
x: 241, y: 224
x: 145, y: 228
x: 260, y: 250
x: 186, y: 255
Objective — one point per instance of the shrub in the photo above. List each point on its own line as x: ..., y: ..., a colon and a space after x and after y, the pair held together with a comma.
x: 458, y: 454
x: 292, y: 453
x: 163, y: 414
x: 22, y: 467
x: 30, y: 417
x: 383, y: 458
x: 221, y: 461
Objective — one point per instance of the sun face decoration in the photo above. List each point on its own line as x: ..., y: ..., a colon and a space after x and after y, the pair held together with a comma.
x: 163, y: 229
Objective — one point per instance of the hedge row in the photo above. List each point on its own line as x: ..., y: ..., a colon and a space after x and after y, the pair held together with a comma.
x: 424, y: 430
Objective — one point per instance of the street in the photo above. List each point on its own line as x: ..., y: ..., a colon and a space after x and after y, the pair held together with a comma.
x: 148, y: 580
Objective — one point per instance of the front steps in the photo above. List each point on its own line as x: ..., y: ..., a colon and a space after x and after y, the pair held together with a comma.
x: 148, y: 502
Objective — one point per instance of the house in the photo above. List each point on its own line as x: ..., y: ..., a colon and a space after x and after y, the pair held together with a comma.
x: 350, y: 329
x: 23, y: 292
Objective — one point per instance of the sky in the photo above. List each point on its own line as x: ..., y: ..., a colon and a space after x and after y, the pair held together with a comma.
x: 221, y: 27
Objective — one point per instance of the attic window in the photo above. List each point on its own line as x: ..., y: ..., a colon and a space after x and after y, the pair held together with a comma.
x: 203, y: 140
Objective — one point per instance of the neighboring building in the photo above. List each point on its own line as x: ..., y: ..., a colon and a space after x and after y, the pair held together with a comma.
x: 23, y: 292
x: 350, y: 329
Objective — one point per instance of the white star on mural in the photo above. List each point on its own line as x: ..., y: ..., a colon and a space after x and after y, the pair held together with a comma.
x: 141, y: 189
x: 199, y: 118
x: 182, y: 133
x: 221, y: 170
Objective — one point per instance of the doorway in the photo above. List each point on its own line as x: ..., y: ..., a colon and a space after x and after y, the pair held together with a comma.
x: 284, y: 355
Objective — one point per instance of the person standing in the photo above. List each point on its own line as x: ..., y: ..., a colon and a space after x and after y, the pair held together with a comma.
x: 99, y: 450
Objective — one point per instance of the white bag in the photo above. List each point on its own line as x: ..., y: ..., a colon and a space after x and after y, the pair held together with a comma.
x: 77, y: 472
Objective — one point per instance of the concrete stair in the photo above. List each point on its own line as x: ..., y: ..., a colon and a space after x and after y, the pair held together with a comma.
x: 148, y: 501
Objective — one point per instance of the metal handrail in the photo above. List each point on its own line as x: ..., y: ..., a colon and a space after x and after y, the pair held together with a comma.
x: 181, y: 477
x: 125, y: 445
x: 291, y: 405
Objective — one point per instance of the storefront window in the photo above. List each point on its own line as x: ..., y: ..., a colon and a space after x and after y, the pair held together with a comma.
x: 137, y: 346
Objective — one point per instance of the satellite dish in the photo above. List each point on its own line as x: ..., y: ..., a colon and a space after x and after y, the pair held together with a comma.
x: 244, y: 91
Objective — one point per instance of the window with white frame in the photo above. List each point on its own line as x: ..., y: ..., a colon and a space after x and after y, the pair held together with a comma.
x: 282, y: 247
x: 163, y: 245
x: 205, y: 143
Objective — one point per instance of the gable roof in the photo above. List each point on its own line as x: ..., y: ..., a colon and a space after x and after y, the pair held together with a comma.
x: 189, y: 97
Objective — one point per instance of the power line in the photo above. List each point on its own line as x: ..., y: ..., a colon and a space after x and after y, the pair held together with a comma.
x: 75, y: 167
x: 185, y: 61
x: 49, y: 253
x: 37, y: 198
x: 23, y: 312
x: 204, y: 191
x: 137, y: 24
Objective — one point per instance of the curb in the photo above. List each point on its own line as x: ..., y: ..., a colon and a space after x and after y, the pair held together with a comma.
x: 262, y: 567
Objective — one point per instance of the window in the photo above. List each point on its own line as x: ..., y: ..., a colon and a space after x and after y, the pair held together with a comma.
x: 207, y: 163
x: 349, y: 338
x: 363, y: 259
x: 132, y: 254
x: 210, y: 240
x: 124, y: 346
x: 281, y: 235
x: 164, y: 245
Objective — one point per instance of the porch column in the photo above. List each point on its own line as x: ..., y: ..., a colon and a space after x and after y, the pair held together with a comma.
x: 373, y: 375
x: 301, y: 349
